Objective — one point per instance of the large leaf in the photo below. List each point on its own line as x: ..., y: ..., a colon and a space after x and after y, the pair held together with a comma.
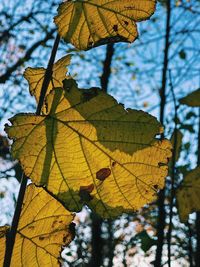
x: 89, y: 149
x: 35, y: 76
x: 44, y: 227
x: 91, y: 23
x: 192, y: 99
x: 188, y: 194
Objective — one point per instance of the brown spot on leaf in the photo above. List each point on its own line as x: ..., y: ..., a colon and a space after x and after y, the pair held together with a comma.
x: 54, y: 223
x: 64, y: 239
x: 126, y: 22
x: 103, y: 173
x: 156, y: 186
x: 41, y: 237
x: 85, y: 191
x: 115, y: 28
x: 114, y: 163
x: 31, y: 227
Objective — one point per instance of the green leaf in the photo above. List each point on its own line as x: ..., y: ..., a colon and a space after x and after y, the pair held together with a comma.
x: 188, y: 196
x: 91, y: 23
x: 182, y: 54
x: 88, y: 148
x: 146, y: 241
x: 192, y: 99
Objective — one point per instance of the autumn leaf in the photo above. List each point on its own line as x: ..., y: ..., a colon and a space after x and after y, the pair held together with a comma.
x: 188, y: 196
x: 3, y: 232
x: 44, y: 227
x: 35, y: 77
x: 91, y: 23
x: 192, y: 99
x: 88, y: 148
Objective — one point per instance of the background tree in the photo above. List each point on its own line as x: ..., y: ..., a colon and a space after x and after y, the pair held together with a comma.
x: 169, y: 41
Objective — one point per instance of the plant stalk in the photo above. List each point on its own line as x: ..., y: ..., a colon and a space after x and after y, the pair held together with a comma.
x: 173, y: 174
x: 10, y: 238
x: 197, y: 256
x: 161, y: 197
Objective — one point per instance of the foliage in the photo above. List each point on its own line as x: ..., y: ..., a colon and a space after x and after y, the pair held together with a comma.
x: 192, y: 100
x: 80, y: 150
x: 188, y: 196
x: 35, y: 77
x: 44, y: 227
x: 91, y: 23
x: 79, y: 139
x: 98, y: 185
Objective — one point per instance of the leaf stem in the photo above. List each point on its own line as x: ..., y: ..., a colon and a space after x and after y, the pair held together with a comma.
x: 10, y: 239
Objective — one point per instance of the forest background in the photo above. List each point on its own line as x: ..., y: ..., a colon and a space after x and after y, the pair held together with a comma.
x: 165, y: 58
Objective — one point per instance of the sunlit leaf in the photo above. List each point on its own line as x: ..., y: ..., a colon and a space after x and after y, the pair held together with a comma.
x: 91, y: 23
x: 3, y: 231
x: 188, y: 196
x: 192, y: 99
x: 90, y: 149
x: 35, y: 76
x: 44, y: 227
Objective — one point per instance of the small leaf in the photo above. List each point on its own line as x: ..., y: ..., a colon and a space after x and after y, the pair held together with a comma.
x: 188, y: 127
x: 179, y: 137
x: 182, y: 54
x: 44, y: 227
x: 146, y: 241
x: 192, y: 99
x: 85, y: 139
x: 188, y: 196
x: 35, y: 77
x: 91, y: 23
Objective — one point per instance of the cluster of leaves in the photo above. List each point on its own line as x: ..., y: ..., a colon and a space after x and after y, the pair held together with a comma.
x: 188, y: 193
x: 84, y: 147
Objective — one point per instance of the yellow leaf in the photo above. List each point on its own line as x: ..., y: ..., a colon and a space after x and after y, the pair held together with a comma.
x: 188, y: 196
x: 192, y: 99
x: 91, y: 23
x: 3, y: 231
x: 44, y: 227
x: 35, y: 77
x: 90, y: 149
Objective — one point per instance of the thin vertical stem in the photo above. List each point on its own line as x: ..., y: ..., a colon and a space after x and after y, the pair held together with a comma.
x: 107, y: 67
x: 10, y: 240
x: 173, y: 168
x: 161, y: 197
x: 197, y: 256
x: 190, y: 249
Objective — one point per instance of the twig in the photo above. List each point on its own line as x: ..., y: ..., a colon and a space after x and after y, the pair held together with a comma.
x: 173, y: 166
x: 161, y: 198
